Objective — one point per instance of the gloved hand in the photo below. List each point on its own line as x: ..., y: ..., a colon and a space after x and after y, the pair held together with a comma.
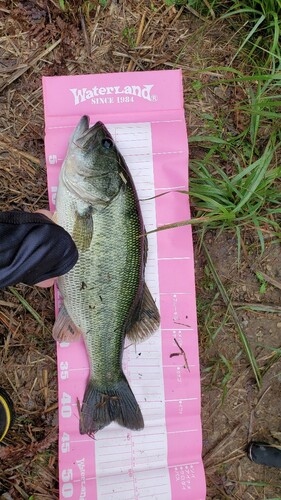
x: 33, y: 249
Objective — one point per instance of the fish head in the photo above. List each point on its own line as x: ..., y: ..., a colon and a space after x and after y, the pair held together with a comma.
x: 92, y: 165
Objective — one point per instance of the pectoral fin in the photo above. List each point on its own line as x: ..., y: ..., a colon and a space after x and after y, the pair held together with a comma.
x: 146, y: 318
x: 83, y: 229
x: 64, y: 329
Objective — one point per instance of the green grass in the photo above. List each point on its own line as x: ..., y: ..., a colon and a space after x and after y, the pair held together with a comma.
x: 129, y: 34
x: 276, y: 355
x: 259, y: 484
x: 211, y: 320
x: 221, y: 370
x: 249, y: 196
x: 228, y: 303
x: 86, y: 5
x: 236, y: 183
x: 257, y: 21
x: 263, y: 22
x: 262, y: 281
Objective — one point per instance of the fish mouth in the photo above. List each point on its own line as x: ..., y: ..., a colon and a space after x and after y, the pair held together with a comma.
x: 90, y: 137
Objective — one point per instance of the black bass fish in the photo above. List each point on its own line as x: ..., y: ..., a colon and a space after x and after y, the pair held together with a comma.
x: 105, y: 295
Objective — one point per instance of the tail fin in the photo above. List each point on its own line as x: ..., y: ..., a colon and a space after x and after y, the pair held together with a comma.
x: 102, y: 406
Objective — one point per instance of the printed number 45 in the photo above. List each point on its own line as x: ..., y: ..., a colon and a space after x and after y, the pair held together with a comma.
x: 64, y: 374
x: 65, y: 445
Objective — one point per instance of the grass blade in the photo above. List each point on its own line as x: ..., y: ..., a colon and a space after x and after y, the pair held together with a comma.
x: 27, y: 306
x: 263, y: 162
x: 196, y: 220
x: 260, y: 484
x: 232, y: 311
x: 249, y: 306
x: 206, y: 138
x: 253, y: 30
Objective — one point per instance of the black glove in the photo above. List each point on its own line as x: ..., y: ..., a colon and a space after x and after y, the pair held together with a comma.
x: 33, y: 249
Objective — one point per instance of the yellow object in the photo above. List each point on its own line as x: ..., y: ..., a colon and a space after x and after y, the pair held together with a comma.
x: 7, y: 413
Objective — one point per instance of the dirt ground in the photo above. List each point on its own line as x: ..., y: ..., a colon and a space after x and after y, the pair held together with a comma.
x: 38, y: 39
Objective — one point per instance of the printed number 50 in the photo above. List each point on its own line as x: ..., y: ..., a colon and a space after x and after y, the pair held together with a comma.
x: 67, y: 487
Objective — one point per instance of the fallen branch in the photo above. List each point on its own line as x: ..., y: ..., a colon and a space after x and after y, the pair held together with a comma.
x: 181, y: 353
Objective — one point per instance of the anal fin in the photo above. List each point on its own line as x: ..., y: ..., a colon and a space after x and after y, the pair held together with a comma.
x: 146, y: 319
x: 64, y: 329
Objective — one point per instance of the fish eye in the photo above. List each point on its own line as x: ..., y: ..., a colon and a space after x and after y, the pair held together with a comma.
x: 107, y: 143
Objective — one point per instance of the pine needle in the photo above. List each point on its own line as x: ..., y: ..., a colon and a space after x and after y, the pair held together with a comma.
x: 28, y: 307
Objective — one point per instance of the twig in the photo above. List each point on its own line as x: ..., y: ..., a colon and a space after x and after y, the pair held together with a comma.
x: 250, y: 430
x: 24, y: 154
x: 31, y: 62
x: 224, y: 495
x: 177, y: 16
x: 85, y: 33
x: 221, y: 445
x: 224, y: 462
x: 195, y: 13
x: 139, y: 36
x: 181, y: 353
x: 8, y: 304
x: 181, y: 324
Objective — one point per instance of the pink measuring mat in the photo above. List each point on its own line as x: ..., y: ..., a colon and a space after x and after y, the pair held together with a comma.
x: 144, y: 113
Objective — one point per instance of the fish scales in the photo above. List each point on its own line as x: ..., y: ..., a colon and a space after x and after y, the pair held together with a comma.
x: 100, y: 289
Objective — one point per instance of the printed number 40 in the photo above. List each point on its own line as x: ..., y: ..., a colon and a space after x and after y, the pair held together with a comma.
x: 66, y: 410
